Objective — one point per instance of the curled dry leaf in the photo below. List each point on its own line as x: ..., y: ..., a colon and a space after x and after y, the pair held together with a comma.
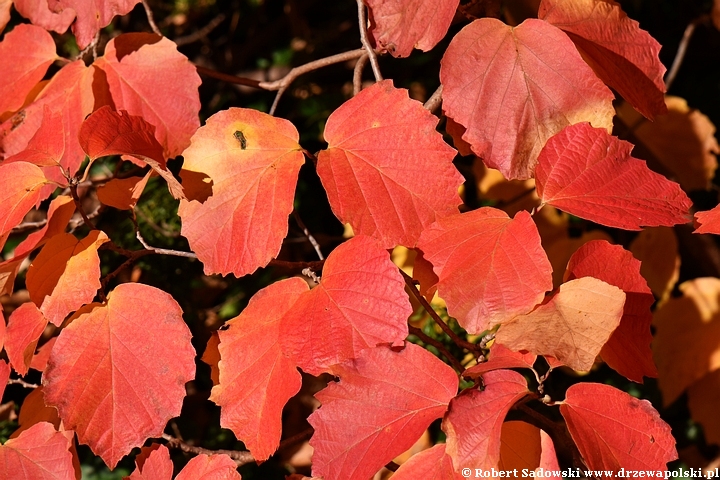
x: 683, y: 141
x: 572, y: 326
x: 251, y: 161
x: 401, y: 25
x: 614, y: 430
x: 387, y: 171
x: 108, y: 368
x: 381, y: 405
x: 621, y: 54
x: 686, y: 346
x: 490, y: 267
x: 534, y: 69
x: 589, y: 173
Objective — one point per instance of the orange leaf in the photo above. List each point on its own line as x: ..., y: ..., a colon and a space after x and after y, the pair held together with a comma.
x: 501, y: 357
x: 387, y: 172
x: 124, y: 193
x: 65, y: 275
x: 252, y: 161
x: 621, y: 54
x: 25, y: 55
x: 252, y: 364
x: 359, y: 303
x: 211, y: 357
x: 38, y: 12
x: 628, y: 349
x: 387, y: 395
x: 401, y: 25
x: 430, y: 464
x: 589, y: 173
x: 474, y: 420
x: 490, y: 267
x: 572, y: 326
x: 614, y: 430
x: 109, y: 371
x: 703, y: 397
x: 533, y: 70
x: 212, y: 467
x: 47, y: 146
x: 520, y: 446
x: 25, y: 325
x: 91, y: 16
x: 20, y: 185
x: 40, y: 359
x: 34, y: 411
x: 59, y: 213
x: 149, y: 78
x: 39, y: 452
x: 657, y: 249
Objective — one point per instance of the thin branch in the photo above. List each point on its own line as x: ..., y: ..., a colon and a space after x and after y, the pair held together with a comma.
x: 132, y: 258
x: 150, y: 19
x: 276, y: 101
x: 241, y: 458
x: 448, y: 331
x: 438, y: 345
x: 202, y: 33
x: 358, y: 72
x: 682, y: 49
x: 300, y: 437
x: 78, y: 205
x: 435, y: 100
x: 19, y: 381
x: 163, y: 251
x: 362, y: 21
x: 248, y: 82
x: 310, y: 238
x: 297, y: 265
x: 29, y: 226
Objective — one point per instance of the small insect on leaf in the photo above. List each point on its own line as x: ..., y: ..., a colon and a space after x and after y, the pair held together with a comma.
x: 241, y: 138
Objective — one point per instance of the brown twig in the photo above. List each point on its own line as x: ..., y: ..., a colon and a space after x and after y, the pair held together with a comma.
x: 300, y: 437
x: 248, y: 82
x: 202, y: 33
x: 150, y: 19
x: 241, y: 458
x: 682, y: 49
x: 78, y: 205
x: 297, y: 265
x: 19, y: 381
x: 132, y: 258
x: 438, y: 345
x: 358, y: 72
x: 163, y: 251
x: 471, y: 347
x: 29, y: 226
x: 310, y: 238
x: 362, y: 23
x: 435, y: 100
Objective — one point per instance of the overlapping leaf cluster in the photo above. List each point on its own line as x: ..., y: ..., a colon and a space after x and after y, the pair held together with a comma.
x: 532, y: 101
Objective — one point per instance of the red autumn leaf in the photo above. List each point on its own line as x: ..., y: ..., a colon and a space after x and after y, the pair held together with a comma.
x: 211, y: 357
x: 70, y: 93
x: 40, y: 359
x: 4, y: 375
x: 589, y: 173
x: 252, y: 364
x: 47, y: 146
x: 109, y: 371
x: 401, y: 25
x: 621, y: 54
x: 212, y: 467
x: 430, y: 464
x: 153, y: 463
x: 491, y: 268
x: 359, y: 303
x: 708, y: 221
x: 20, y: 185
x: 424, y: 274
x: 572, y: 326
x: 252, y: 161
x: 532, y: 70
x: 39, y: 452
x: 501, y: 357
x: 614, y: 430
x: 379, y: 408
x: 92, y: 15
x: 38, y: 12
x: 520, y: 446
x: 59, y: 213
x: 25, y: 55
x: 474, y: 419
x: 148, y: 77
x: 124, y: 193
x: 107, y: 132
x: 34, y: 411
x: 8, y: 271
x: 387, y: 172
x: 65, y: 275
x: 628, y: 349
x: 25, y: 325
